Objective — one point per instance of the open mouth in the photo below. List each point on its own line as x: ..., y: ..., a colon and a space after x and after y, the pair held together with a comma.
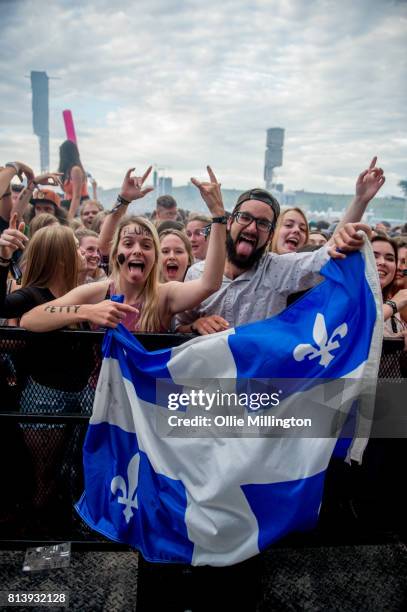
x: 136, y: 265
x: 292, y: 243
x: 249, y: 240
x: 172, y: 269
x: 246, y: 245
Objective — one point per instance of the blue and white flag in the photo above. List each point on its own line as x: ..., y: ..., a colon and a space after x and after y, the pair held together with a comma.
x: 220, y: 500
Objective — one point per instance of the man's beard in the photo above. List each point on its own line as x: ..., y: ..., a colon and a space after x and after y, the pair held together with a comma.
x: 242, y: 262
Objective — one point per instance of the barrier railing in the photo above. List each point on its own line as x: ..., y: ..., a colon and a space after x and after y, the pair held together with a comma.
x: 47, y: 387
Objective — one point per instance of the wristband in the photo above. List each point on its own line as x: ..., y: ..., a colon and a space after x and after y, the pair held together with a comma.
x: 120, y: 202
x: 393, y: 305
x: 223, y: 220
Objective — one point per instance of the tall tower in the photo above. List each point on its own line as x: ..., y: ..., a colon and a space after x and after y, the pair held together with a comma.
x: 39, y: 88
x: 165, y: 185
x: 274, y: 153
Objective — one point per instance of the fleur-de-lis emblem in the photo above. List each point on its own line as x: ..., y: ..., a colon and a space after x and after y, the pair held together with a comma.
x: 325, y: 344
x: 129, y: 494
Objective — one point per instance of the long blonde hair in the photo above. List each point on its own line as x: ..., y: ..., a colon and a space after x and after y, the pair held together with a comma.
x: 280, y: 222
x: 149, y: 319
x: 51, y: 254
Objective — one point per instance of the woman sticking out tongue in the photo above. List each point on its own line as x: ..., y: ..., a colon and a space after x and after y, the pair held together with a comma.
x: 134, y: 256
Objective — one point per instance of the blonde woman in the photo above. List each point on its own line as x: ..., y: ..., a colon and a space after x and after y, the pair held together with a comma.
x: 291, y: 232
x: 176, y: 255
x: 135, y: 258
x: 89, y: 246
x: 51, y: 266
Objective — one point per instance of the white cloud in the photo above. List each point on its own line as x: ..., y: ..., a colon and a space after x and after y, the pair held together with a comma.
x: 185, y: 83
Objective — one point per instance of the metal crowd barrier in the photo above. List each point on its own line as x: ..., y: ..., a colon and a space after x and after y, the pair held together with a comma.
x: 47, y: 386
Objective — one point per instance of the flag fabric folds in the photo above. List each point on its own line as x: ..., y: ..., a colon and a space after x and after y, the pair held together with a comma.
x: 220, y: 500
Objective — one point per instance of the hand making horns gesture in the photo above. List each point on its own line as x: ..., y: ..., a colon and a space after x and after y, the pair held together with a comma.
x: 211, y: 193
x: 132, y: 187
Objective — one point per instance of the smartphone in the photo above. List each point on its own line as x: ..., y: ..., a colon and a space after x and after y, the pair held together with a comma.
x: 16, y: 272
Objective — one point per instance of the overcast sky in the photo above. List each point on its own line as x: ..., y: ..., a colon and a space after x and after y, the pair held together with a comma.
x: 181, y: 84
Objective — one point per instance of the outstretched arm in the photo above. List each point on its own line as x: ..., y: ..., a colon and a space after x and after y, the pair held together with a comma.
x: 52, y: 179
x: 183, y: 296
x: 84, y: 303
x: 132, y: 189
x: 369, y: 182
x: 6, y: 174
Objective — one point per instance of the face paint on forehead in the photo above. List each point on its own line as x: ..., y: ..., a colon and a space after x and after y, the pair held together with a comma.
x: 135, y: 230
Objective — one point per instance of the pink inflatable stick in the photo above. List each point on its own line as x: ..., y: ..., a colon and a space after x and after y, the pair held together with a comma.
x: 69, y: 126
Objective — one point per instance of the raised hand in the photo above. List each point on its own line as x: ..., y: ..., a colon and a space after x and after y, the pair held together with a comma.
x: 211, y: 193
x: 12, y: 238
x: 369, y: 182
x: 24, y: 169
x: 49, y: 178
x: 132, y: 187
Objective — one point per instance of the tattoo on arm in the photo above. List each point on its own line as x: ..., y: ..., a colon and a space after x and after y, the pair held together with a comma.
x: 66, y: 309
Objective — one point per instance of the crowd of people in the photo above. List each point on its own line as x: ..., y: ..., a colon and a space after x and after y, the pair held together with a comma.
x: 63, y: 256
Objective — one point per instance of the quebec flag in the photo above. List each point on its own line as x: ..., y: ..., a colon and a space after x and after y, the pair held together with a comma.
x: 215, y: 500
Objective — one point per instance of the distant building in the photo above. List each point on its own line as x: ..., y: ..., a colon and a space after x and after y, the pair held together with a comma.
x: 274, y: 154
x: 164, y: 185
x: 40, y: 110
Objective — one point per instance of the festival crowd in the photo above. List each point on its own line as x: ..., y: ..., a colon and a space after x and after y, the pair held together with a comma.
x: 62, y: 256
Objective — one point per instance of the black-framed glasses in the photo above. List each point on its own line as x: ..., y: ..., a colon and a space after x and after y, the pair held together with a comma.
x: 245, y: 218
